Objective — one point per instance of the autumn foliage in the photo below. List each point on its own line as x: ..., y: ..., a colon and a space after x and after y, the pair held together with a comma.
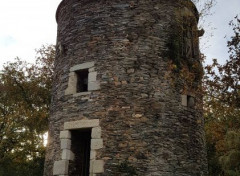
x: 222, y: 110
x: 24, y: 106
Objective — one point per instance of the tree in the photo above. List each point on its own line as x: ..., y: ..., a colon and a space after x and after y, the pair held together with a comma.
x: 24, y: 109
x: 222, y: 107
x: 204, y: 7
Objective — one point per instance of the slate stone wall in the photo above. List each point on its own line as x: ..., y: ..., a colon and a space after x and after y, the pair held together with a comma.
x: 145, y: 127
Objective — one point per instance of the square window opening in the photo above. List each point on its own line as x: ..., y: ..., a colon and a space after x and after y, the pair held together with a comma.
x: 190, y: 101
x: 82, y: 80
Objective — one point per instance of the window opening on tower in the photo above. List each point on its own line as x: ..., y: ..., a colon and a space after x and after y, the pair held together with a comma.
x: 82, y: 80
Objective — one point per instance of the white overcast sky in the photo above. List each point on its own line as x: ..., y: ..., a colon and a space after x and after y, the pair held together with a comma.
x: 25, y: 25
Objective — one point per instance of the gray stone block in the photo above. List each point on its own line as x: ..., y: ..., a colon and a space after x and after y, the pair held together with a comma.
x: 91, y: 69
x: 93, y: 85
x: 65, y: 134
x: 72, y: 84
x: 81, y: 94
x: 96, y: 133
x: 93, y: 154
x: 97, y: 166
x: 184, y: 100
x: 96, y: 144
x: 67, y: 155
x: 92, y: 77
x: 60, y: 167
x: 65, y: 144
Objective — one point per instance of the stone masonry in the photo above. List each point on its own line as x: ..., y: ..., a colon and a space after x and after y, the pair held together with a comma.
x: 142, y: 118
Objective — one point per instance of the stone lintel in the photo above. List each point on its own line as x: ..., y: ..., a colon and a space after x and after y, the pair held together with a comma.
x: 83, y: 66
x: 81, y: 124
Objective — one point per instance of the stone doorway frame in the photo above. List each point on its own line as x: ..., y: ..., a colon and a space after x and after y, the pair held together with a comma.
x: 61, y: 167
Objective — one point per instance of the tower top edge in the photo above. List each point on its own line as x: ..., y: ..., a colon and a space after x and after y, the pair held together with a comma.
x: 189, y: 4
x: 58, y: 9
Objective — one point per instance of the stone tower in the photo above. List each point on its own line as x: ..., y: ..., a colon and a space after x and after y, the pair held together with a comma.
x: 127, y: 90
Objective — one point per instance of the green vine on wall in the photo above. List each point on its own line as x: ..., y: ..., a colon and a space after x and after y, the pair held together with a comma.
x: 174, y: 46
x: 183, y: 53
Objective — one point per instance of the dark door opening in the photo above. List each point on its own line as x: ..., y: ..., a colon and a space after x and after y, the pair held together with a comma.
x: 81, y: 141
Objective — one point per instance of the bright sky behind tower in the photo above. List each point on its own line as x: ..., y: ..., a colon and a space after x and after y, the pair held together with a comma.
x: 25, y: 25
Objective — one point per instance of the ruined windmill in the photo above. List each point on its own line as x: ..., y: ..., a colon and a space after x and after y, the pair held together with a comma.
x: 126, y: 97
